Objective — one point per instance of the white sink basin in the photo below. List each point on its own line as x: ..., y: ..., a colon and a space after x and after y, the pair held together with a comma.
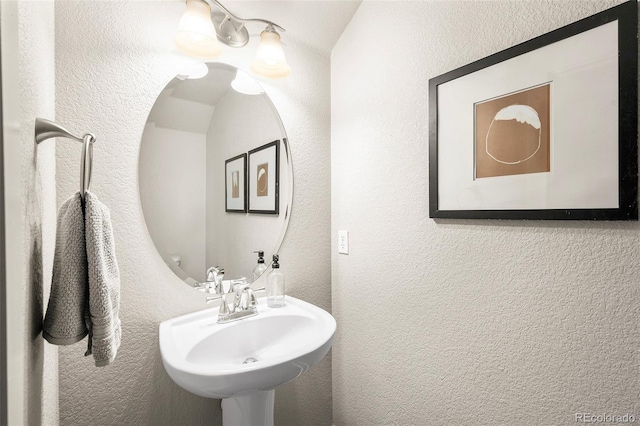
x: 207, y: 358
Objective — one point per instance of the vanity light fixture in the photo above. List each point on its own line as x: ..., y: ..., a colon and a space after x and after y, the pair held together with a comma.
x: 194, y: 37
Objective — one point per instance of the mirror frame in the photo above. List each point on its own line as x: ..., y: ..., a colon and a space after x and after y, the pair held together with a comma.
x: 286, y: 168
x: 3, y: 275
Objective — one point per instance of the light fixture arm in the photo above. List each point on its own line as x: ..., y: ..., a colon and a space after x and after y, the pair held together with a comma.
x: 242, y: 20
x: 201, y: 28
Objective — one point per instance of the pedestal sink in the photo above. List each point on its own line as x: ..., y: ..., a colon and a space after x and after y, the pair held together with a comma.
x: 243, y: 362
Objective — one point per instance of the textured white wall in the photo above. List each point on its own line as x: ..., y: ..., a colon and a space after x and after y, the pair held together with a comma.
x: 28, y: 92
x: 462, y: 322
x: 112, y: 60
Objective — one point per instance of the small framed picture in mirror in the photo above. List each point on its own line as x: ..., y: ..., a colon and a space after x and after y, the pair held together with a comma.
x: 264, y: 172
x: 236, y: 184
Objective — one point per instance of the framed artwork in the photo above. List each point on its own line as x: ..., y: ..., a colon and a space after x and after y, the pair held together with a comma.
x: 235, y: 184
x: 264, y: 173
x: 546, y: 129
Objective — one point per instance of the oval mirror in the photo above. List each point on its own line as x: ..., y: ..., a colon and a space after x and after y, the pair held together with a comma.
x: 215, y: 174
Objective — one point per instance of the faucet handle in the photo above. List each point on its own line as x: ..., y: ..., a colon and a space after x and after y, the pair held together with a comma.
x: 237, y: 287
x: 250, y: 301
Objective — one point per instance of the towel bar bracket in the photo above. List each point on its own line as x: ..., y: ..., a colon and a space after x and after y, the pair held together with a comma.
x: 47, y: 129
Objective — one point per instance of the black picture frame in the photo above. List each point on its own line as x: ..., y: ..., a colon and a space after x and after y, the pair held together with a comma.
x: 269, y: 152
x: 229, y: 205
x: 626, y: 15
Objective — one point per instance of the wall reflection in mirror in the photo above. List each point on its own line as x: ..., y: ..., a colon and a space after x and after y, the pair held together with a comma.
x: 192, y: 169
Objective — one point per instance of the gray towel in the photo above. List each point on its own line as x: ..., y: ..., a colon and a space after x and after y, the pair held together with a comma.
x: 104, y: 283
x: 64, y: 323
x: 85, y: 289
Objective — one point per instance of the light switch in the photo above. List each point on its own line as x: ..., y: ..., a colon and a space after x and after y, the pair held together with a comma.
x: 343, y: 242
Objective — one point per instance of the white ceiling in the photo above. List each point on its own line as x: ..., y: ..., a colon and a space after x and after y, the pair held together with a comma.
x: 318, y: 24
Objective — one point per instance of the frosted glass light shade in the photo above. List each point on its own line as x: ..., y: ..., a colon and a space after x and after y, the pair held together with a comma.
x: 195, y: 34
x: 270, y: 60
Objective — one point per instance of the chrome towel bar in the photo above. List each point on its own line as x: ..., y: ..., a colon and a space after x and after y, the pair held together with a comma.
x: 46, y: 129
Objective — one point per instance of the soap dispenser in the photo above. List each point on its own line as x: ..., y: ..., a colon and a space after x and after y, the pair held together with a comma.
x: 275, y: 285
x: 260, y: 268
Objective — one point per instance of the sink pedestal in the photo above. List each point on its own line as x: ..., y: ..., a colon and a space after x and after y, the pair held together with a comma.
x: 252, y: 409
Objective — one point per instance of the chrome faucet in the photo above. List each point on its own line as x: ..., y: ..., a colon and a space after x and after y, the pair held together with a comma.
x: 244, y: 304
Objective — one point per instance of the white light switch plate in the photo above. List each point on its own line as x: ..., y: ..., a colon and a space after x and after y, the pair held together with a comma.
x: 343, y: 242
